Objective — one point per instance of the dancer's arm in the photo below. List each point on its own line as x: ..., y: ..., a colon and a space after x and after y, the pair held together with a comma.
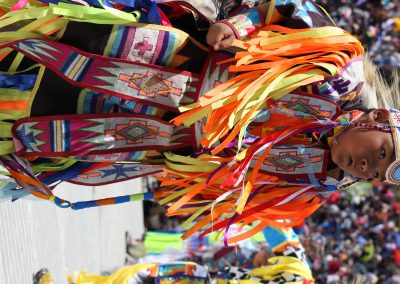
x: 222, y: 33
x: 289, y: 13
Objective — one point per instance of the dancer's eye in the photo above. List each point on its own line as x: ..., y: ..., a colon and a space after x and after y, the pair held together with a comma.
x: 376, y: 174
x: 382, y: 154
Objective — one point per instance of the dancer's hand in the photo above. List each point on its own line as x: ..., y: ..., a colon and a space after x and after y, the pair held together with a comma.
x: 260, y: 259
x: 220, y: 36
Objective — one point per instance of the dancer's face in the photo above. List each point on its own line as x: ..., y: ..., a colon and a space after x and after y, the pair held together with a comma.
x: 364, y: 152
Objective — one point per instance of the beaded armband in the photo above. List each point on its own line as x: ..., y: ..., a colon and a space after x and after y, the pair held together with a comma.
x: 246, y: 22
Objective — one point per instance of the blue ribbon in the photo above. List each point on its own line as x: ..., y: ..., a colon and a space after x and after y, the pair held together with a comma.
x: 67, y: 174
x: 148, y: 8
x: 21, y: 82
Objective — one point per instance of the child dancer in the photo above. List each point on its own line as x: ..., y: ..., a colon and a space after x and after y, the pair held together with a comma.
x: 262, y: 132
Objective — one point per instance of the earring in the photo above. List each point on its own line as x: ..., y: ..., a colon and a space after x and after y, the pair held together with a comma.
x: 347, y: 185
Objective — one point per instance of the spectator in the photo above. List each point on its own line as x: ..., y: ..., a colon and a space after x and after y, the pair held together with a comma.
x: 356, y: 238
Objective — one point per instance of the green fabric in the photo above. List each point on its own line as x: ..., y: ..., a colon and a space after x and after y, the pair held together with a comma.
x: 215, y: 237
x: 369, y: 252
x: 159, y: 242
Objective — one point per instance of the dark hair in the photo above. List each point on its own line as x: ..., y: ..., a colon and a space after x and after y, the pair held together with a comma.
x: 362, y: 108
x: 225, y: 7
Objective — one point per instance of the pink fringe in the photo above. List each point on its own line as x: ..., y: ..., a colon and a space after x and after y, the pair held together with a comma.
x: 19, y: 5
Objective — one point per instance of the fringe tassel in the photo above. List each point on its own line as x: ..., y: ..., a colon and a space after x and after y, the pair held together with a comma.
x: 213, y: 207
x: 273, y: 63
x: 233, y: 190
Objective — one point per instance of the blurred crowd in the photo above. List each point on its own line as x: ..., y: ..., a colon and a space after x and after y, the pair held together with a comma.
x: 355, y: 237
x: 375, y: 22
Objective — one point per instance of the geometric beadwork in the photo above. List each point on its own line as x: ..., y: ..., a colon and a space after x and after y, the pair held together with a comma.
x: 287, y: 161
x: 38, y: 48
x: 27, y: 139
x: 135, y: 132
x: 150, y: 84
x: 290, y: 161
x: 304, y: 105
x: 119, y: 170
x: 300, y: 107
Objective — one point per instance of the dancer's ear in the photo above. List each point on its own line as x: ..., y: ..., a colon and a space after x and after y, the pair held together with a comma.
x: 380, y: 115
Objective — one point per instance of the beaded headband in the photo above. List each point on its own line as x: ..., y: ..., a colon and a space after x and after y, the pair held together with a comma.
x: 393, y: 171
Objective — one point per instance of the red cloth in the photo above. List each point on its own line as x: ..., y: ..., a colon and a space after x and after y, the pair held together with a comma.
x: 333, y: 266
x: 396, y: 256
x: 396, y: 207
x: 333, y: 198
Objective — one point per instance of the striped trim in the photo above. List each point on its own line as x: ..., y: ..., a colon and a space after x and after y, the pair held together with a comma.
x: 76, y: 66
x: 60, y: 133
x: 117, y: 41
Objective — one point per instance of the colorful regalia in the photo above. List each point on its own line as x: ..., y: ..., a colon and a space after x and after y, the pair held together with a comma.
x: 289, y: 265
x: 105, y: 92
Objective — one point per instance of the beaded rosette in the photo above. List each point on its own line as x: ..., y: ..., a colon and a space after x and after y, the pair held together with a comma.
x: 393, y: 172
